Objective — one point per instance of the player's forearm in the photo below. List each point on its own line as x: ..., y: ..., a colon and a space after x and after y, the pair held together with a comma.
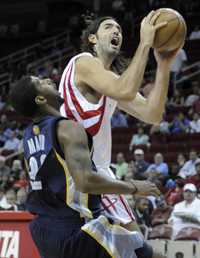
x: 157, y: 97
x: 101, y: 184
x: 131, y: 80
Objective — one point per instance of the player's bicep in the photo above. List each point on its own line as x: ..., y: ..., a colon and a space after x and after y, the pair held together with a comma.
x: 91, y: 71
x: 73, y: 141
x: 78, y: 161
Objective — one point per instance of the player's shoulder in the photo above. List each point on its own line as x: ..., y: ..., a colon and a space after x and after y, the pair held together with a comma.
x: 86, y: 60
x: 70, y: 130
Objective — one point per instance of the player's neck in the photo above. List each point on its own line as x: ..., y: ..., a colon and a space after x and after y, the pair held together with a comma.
x: 48, y: 111
x: 107, y: 60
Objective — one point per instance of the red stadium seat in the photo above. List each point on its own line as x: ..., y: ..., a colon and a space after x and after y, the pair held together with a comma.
x: 189, y: 233
x: 161, y: 232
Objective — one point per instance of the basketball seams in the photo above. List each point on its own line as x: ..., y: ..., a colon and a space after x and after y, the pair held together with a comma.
x: 173, y: 33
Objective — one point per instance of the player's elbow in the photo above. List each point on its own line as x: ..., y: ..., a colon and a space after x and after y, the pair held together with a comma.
x: 126, y: 95
x: 156, y: 120
x: 154, y: 115
x: 84, y: 185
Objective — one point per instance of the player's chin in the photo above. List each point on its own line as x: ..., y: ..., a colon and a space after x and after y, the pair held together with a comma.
x: 114, y: 50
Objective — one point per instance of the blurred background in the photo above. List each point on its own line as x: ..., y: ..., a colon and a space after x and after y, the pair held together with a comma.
x: 38, y: 37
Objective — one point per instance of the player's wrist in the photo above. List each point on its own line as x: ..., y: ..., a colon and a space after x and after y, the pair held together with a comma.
x: 145, y: 45
x: 134, y: 189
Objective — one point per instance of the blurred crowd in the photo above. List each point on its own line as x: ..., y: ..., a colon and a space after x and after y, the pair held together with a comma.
x: 178, y: 207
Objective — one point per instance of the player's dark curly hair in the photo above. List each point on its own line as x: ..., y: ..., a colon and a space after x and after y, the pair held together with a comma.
x: 120, y: 63
x: 22, y: 97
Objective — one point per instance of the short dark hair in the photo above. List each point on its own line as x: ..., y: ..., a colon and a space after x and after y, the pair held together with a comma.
x: 22, y: 97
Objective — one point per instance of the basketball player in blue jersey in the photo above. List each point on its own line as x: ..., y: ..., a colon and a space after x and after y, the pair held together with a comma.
x: 64, y: 185
x: 95, y: 82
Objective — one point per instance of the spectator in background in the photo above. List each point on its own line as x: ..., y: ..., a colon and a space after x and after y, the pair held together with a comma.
x: 5, y: 182
x: 161, y: 213
x: 196, y: 178
x: 177, y: 100
x: 139, y: 139
x: 187, y: 212
x: 140, y: 164
x: 22, y: 181
x: 3, y: 201
x: 119, y: 119
x: 11, y: 201
x: 180, y: 124
x: 142, y: 211
x: 162, y: 128
x: 175, y: 194
x: 21, y: 199
x: 189, y: 167
x: 4, y: 170
x: 16, y: 168
x: 177, y: 66
x: 195, y: 124
x: 121, y: 166
x: 130, y: 172
x: 193, y: 97
x: 173, y: 175
x: 158, y: 169
x: 12, y: 144
x: 4, y: 120
x: 195, y: 34
x: 11, y: 127
x: 180, y: 160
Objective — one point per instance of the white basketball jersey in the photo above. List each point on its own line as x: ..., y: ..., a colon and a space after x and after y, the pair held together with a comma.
x: 95, y: 118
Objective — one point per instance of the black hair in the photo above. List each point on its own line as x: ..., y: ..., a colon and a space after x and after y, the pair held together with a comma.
x: 120, y: 63
x: 22, y: 97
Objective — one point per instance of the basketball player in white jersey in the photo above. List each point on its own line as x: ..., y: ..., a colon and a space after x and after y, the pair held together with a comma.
x: 92, y: 87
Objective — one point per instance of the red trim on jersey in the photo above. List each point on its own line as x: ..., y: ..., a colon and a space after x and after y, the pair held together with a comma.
x: 95, y: 128
x: 86, y: 114
x: 126, y: 207
x: 111, y: 203
x: 67, y: 109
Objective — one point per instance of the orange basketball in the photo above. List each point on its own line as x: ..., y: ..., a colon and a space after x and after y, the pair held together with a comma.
x: 171, y: 36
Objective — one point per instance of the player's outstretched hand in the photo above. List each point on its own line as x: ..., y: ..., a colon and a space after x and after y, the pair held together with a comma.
x: 145, y: 188
x: 148, y: 28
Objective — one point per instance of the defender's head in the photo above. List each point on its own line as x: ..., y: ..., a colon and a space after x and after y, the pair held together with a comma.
x: 103, y: 35
x: 31, y: 96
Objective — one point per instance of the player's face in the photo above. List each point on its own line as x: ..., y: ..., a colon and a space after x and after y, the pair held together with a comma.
x: 47, y: 89
x: 109, y: 37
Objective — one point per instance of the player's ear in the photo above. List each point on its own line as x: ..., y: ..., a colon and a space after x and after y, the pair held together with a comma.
x: 92, y: 38
x: 40, y: 100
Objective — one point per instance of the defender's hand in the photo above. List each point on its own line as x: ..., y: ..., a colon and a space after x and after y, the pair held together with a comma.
x: 148, y: 29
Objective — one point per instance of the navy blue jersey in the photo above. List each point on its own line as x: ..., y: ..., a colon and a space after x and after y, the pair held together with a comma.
x: 52, y: 189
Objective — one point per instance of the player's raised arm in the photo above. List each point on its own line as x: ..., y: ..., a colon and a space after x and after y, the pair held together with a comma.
x: 75, y: 146
x: 151, y: 109
x: 92, y: 71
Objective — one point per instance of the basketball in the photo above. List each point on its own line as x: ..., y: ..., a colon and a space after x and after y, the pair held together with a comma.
x: 171, y: 36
